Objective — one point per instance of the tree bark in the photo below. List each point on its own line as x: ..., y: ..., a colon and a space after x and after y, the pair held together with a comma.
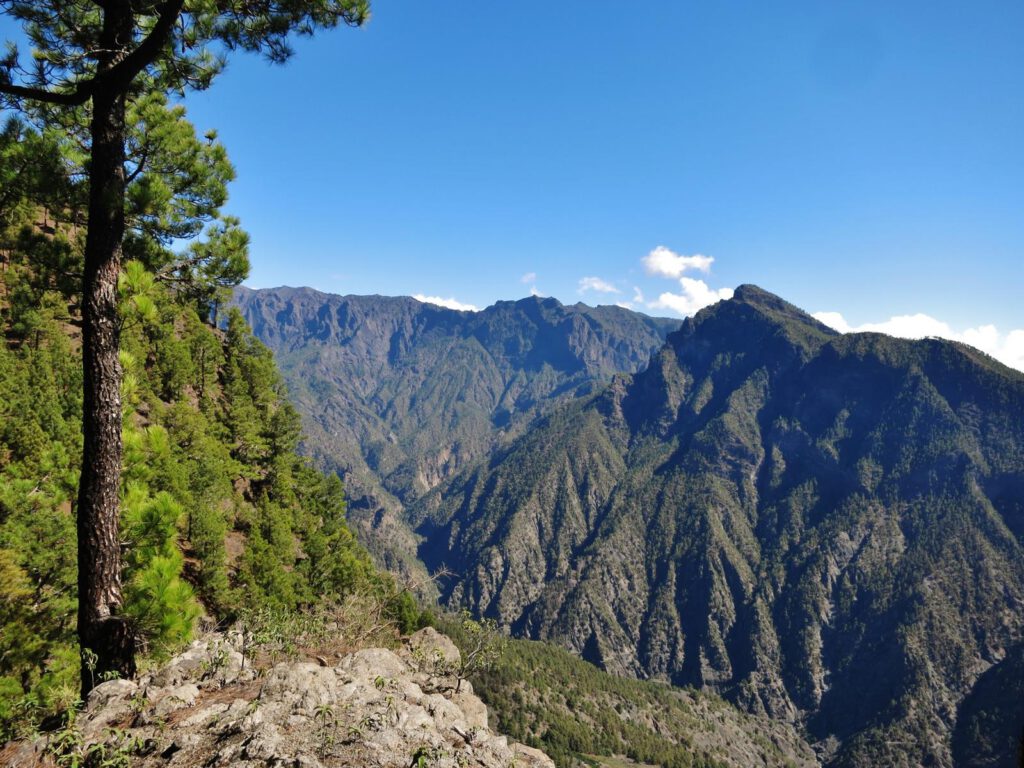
x: 105, y: 636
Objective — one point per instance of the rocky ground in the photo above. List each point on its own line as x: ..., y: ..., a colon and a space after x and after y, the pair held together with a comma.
x: 211, y: 707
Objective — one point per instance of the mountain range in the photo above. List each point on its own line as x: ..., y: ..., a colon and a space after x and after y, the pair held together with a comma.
x: 398, y: 395
x: 823, y: 528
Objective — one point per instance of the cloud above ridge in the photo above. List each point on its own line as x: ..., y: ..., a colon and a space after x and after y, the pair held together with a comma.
x: 596, y: 284
x: 1007, y: 348
x: 694, y: 295
x: 448, y: 303
x: 665, y: 262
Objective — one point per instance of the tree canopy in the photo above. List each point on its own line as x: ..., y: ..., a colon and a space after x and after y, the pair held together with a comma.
x: 177, y: 44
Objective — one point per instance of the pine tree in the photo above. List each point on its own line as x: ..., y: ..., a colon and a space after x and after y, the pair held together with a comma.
x: 106, y: 54
x: 196, y: 510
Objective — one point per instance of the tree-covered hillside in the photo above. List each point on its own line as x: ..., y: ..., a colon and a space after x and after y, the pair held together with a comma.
x: 551, y: 699
x: 824, y: 528
x: 219, y: 512
x: 398, y: 395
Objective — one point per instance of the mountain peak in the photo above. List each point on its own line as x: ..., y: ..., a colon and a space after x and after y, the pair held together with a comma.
x: 752, y: 294
x: 776, y: 307
x: 534, y: 300
x: 752, y: 316
x: 794, y: 322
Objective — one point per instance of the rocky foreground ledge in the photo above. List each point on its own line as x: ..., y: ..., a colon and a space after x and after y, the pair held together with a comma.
x: 207, y: 707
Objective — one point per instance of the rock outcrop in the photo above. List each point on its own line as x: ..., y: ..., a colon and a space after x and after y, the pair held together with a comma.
x: 375, y: 708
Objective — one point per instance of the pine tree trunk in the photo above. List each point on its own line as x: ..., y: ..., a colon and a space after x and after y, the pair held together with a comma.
x: 106, y: 638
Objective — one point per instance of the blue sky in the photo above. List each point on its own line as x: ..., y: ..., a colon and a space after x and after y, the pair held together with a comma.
x: 861, y: 158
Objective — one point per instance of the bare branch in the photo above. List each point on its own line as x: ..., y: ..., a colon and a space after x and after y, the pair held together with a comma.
x: 75, y: 98
x: 139, y: 167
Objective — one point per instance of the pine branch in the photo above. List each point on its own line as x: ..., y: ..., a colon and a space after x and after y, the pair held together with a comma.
x: 122, y: 73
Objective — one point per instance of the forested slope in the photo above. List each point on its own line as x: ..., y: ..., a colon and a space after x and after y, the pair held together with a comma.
x: 220, y: 513
x: 550, y: 698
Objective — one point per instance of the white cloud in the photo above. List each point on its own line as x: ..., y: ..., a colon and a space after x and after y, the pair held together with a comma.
x: 1013, y: 349
x: 449, y: 303
x: 695, y: 296
x: 1008, y: 348
x: 596, y: 284
x: 535, y: 292
x: 529, y: 277
x: 667, y: 263
x: 833, y: 320
x: 624, y: 304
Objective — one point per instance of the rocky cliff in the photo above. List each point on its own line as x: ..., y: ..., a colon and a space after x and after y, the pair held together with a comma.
x: 374, y: 708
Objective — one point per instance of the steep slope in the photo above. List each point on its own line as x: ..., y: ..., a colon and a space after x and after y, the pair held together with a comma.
x: 551, y: 699
x: 821, y: 527
x: 990, y: 726
x: 398, y: 395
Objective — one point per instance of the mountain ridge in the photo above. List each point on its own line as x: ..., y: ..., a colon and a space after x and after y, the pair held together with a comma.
x: 764, y: 510
x: 398, y: 394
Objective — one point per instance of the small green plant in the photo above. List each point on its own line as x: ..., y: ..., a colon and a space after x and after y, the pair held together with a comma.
x: 67, y: 746
x: 115, y: 752
x: 218, y: 660
x: 420, y: 758
x: 161, y: 725
x: 326, y: 720
x: 425, y: 756
x: 68, y: 749
x: 90, y: 660
x: 137, y: 703
x: 280, y: 633
x: 372, y: 722
x: 482, y: 645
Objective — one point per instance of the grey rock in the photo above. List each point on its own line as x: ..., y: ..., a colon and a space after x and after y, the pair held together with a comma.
x: 172, y: 699
x: 109, y: 704
x: 367, y: 710
x: 474, y: 710
x: 431, y: 645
